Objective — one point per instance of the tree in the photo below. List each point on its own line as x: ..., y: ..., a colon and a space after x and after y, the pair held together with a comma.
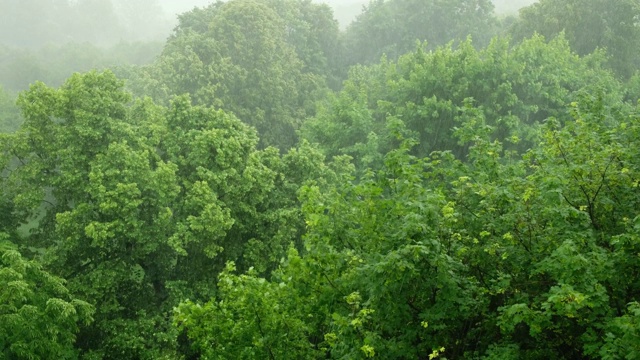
x: 242, y: 56
x: 372, y: 280
x: 513, y: 88
x: 53, y: 64
x: 392, y: 27
x: 9, y: 113
x: 138, y: 204
x: 48, y: 22
x: 588, y: 25
x: 100, y: 22
x: 314, y: 33
x: 255, y: 319
x: 142, y: 21
x: 502, y: 256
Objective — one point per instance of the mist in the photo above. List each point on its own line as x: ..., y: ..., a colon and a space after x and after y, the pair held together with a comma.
x: 274, y: 179
x: 345, y: 11
x: 50, y: 40
x: 511, y: 7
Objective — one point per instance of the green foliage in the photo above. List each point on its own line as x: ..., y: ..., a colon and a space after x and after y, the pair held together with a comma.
x: 314, y: 34
x: 374, y: 275
x: 622, y: 340
x: 511, y: 89
x: 588, y: 25
x: 142, y: 203
x: 9, y: 113
x: 476, y: 204
x: 392, y: 27
x: 108, y: 195
x: 541, y: 231
x: 499, y: 257
x: 264, y: 61
x: 256, y: 320
x: 39, y: 318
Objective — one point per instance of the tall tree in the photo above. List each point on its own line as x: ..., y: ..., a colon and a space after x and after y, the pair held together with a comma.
x: 314, y: 33
x: 9, y: 113
x: 501, y: 256
x: 588, y: 25
x: 513, y: 88
x: 137, y: 205
x: 256, y: 59
x: 392, y: 27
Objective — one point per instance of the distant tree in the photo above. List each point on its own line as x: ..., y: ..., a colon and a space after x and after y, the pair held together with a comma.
x: 33, y: 23
x: 142, y: 20
x: 20, y: 67
x: 588, y: 25
x: 96, y: 21
x: 10, y: 118
x: 52, y: 64
x: 314, y: 33
x: 392, y: 27
x: 257, y: 59
x: 510, y: 7
x: 513, y: 88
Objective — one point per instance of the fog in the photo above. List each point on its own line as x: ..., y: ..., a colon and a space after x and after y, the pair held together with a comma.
x: 48, y: 40
x: 174, y: 7
x: 33, y: 23
x: 508, y: 7
x: 345, y: 11
x: 242, y: 179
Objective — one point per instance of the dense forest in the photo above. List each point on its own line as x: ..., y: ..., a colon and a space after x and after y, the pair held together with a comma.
x: 433, y: 181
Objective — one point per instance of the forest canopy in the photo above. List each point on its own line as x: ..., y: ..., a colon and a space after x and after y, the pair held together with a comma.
x: 432, y: 181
